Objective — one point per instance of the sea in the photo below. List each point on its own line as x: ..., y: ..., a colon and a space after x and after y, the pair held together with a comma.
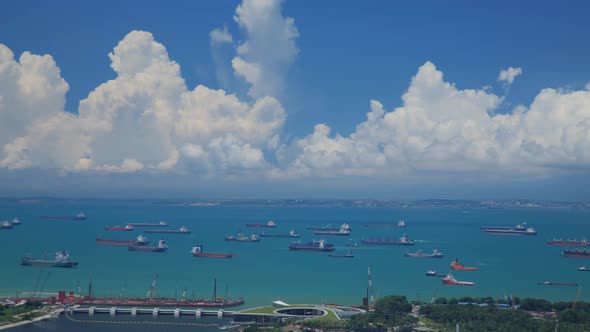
x: 267, y: 271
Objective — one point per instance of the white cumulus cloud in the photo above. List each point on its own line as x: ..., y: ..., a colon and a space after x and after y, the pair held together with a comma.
x: 508, y: 75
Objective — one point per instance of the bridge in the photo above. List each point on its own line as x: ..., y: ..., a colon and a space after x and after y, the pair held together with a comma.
x: 177, y: 312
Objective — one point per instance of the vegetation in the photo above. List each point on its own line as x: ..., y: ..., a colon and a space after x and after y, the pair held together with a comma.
x: 14, y: 314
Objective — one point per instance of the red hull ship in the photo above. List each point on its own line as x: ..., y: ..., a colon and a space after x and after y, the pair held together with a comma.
x: 455, y: 265
x: 577, y: 253
x: 450, y: 280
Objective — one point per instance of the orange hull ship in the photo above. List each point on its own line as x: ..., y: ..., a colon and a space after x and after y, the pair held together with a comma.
x: 455, y: 265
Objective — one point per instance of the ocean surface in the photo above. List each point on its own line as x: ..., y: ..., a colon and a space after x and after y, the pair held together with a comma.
x: 267, y: 271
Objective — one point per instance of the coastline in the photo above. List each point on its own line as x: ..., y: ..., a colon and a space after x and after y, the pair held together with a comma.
x: 52, y: 315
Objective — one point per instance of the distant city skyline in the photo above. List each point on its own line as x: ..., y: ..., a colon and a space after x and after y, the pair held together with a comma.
x: 265, y: 98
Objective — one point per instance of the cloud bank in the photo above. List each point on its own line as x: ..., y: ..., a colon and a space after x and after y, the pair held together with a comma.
x: 148, y: 120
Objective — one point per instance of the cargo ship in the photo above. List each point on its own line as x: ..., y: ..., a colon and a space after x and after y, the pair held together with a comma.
x: 320, y: 245
x: 329, y: 228
x: 455, y: 265
x: 161, y: 246
x: 556, y: 283
x: 343, y: 231
x: 181, y: 230
x: 433, y: 273
x: 519, y: 229
x: 577, y: 253
x: 141, y: 240
x: 450, y: 280
x: 143, y: 224
x: 419, y: 254
x: 242, y: 238
x: 5, y: 225
x: 292, y: 233
x: 571, y: 243
x: 60, y: 259
x: 79, y: 216
x: 16, y: 222
x: 126, y: 228
x: 347, y: 255
x: 198, y: 252
x: 403, y: 241
x: 269, y: 224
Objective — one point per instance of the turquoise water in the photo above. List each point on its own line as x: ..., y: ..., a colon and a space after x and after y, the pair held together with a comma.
x: 267, y: 271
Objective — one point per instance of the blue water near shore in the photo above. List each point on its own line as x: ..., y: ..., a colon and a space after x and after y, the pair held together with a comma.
x: 267, y: 271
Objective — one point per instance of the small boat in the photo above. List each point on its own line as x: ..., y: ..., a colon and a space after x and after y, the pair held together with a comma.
x: 450, y: 280
x: 198, y: 252
x: 455, y: 265
x: 343, y: 231
x: 16, y: 222
x: 269, y: 224
x: 181, y: 230
x: 320, y: 245
x: 60, y: 259
x: 329, y: 228
x: 6, y: 225
x: 577, y: 253
x: 403, y: 241
x: 242, y: 238
x: 433, y: 273
x: 141, y: 240
x: 556, y: 283
x: 80, y: 216
x: 143, y: 224
x: 519, y: 229
x: 401, y: 223
x: 347, y: 255
x: 161, y: 246
x: 292, y: 233
x: 571, y: 243
x: 419, y: 254
x: 584, y: 269
x: 125, y: 228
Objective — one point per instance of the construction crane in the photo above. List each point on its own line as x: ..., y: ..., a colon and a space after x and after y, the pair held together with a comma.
x: 152, y: 292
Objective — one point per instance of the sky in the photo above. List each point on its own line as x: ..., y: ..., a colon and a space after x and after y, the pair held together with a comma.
x: 264, y: 98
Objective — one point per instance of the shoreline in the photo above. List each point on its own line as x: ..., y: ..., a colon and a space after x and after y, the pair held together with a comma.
x: 52, y: 315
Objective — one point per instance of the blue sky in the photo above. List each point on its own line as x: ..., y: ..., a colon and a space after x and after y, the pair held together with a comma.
x: 341, y: 56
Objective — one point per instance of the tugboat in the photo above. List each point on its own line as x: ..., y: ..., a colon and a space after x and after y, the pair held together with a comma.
x: 347, y: 255
x: 61, y: 259
x: 125, y: 228
x: 160, y: 247
x: 577, y: 253
x: 343, y: 231
x: 5, y: 225
x: 450, y: 280
x: 16, y: 222
x: 198, y: 252
x: 292, y: 233
x: 140, y: 224
x: 419, y: 254
x: 433, y: 273
x: 519, y: 229
x: 571, y: 243
x: 269, y: 224
x: 182, y: 230
x: 403, y: 241
x: 140, y: 241
x: 242, y: 238
x: 455, y: 265
x: 320, y: 245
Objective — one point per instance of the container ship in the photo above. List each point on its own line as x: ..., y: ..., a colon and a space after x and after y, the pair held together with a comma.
x: 61, y: 259
x: 143, y: 224
x: 79, y: 216
x: 320, y: 245
x: 161, y: 246
x: 419, y: 254
x: 577, y: 253
x: 329, y: 228
x: 181, y: 230
x: 403, y: 241
x: 198, y: 252
x: 269, y: 224
x: 450, y: 280
x: 455, y: 265
x: 571, y: 243
x: 126, y: 228
x: 292, y: 233
x: 141, y: 240
x: 242, y: 238
x: 6, y: 225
